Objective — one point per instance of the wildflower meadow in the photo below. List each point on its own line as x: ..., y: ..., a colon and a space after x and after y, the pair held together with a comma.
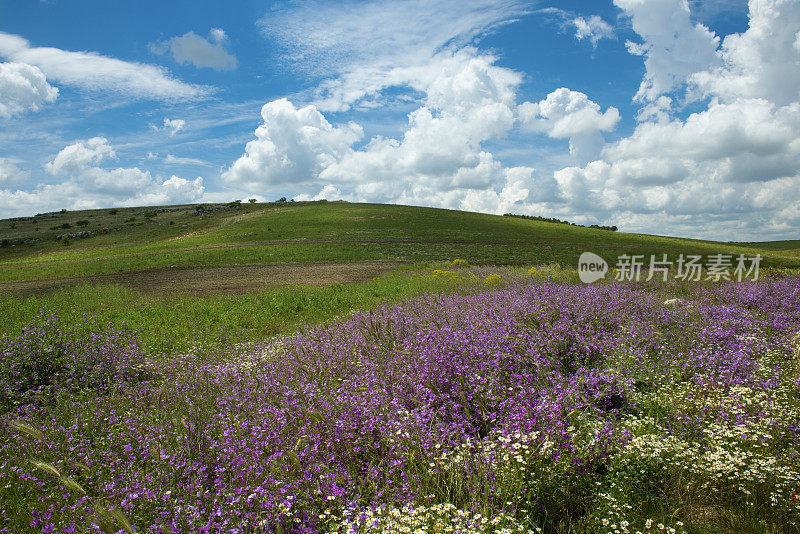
x: 521, y: 403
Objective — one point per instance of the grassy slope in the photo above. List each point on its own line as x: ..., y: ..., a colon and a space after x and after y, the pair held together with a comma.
x: 324, y: 232
x: 174, y: 323
x: 793, y: 245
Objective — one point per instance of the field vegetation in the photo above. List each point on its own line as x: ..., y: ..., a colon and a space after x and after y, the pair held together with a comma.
x: 433, y: 395
x: 504, y: 400
x: 253, y: 233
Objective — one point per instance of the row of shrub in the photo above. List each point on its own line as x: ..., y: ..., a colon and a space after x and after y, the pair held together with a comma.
x: 559, y: 221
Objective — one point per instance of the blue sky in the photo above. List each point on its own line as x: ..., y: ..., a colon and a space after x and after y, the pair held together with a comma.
x: 659, y: 116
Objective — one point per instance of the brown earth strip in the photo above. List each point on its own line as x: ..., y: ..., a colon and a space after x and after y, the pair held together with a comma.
x: 225, y: 279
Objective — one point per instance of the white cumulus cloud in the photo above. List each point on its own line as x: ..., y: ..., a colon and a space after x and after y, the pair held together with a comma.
x: 81, y: 155
x: 567, y: 114
x: 174, y: 190
x: 23, y: 88
x: 87, y: 183
x: 736, y: 162
x: 729, y: 169
x: 439, y: 158
x: 764, y: 61
x: 673, y: 46
x: 291, y: 147
x: 747, y: 127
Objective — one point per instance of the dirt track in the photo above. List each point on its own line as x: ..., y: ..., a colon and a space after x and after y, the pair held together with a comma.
x: 226, y: 279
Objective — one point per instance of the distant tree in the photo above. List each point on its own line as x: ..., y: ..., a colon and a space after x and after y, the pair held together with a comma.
x: 253, y: 201
x: 559, y: 221
x: 281, y: 200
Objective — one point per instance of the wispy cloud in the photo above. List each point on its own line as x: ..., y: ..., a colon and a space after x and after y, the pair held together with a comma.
x: 172, y: 126
x: 10, y: 174
x: 94, y: 72
x: 362, y: 47
x: 193, y: 49
x: 593, y: 27
x: 176, y: 160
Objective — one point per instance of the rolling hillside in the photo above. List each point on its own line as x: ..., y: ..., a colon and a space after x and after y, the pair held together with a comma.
x: 166, y: 246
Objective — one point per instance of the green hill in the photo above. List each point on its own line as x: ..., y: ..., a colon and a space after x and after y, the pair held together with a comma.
x: 157, y: 242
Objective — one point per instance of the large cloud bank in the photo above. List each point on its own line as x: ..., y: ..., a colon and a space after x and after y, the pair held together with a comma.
x: 728, y: 170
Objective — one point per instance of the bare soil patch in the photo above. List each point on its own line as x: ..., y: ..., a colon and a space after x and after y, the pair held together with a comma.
x: 225, y: 279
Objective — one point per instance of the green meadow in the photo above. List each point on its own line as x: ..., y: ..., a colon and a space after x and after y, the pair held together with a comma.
x: 125, y: 274
x: 146, y: 238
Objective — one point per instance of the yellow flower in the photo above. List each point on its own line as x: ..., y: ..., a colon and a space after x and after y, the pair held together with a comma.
x: 493, y: 280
